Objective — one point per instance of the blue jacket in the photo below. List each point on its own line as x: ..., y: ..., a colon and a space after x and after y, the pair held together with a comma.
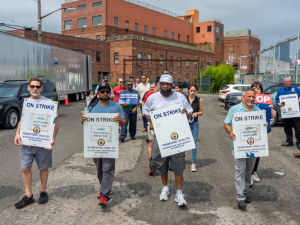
x: 283, y: 91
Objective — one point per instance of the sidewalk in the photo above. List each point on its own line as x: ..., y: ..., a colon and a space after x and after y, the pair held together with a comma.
x: 73, y: 188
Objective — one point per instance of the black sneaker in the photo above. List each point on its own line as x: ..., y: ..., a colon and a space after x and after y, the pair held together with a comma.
x: 43, y: 197
x: 248, y: 199
x: 24, y: 201
x: 133, y: 138
x: 242, y: 204
x: 121, y: 139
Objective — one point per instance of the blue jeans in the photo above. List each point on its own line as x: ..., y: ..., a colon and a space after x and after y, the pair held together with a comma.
x: 195, y: 130
x: 143, y: 117
x: 131, y: 119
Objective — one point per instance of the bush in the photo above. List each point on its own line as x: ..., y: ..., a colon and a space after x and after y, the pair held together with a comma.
x: 220, y: 76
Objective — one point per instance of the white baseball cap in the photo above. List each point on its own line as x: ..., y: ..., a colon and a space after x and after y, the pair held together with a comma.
x: 166, y: 78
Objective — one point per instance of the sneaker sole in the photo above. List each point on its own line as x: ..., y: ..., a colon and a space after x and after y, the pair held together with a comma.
x: 102, y: 203
x: 178, y: 202
x: 19, y: 207
x: 44, y: 202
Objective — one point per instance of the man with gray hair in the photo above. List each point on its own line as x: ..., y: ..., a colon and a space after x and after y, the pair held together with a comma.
x: 288, y: 123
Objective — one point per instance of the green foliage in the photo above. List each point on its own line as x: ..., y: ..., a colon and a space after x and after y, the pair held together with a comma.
x: 113, y: 84
x: 220, y: 76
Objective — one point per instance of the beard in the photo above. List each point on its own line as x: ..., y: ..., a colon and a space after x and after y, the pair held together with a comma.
x: 104, y: 99
x: 249, y: 104
x: 35, y: 93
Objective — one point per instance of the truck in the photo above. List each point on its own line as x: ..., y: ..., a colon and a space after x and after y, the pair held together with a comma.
x: 21, y: 59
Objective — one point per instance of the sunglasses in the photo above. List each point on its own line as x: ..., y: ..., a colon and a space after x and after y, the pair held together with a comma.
x: 104, y: 91
x: 143, y: 78
x: 33, y: 86
x: 120, y: 81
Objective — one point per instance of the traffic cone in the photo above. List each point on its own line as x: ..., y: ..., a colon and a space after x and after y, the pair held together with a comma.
x: 66, y: 100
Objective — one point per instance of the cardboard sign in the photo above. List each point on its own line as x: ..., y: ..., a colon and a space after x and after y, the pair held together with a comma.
x: 251, y: 135
x: 37, y: 122
x: 101, y: 136
x: 291, y: 108
x: 129, y: 98
x: 263, y: 102
x: 172, y: 130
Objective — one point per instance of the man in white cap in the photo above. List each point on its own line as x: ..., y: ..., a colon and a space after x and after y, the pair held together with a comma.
x: 176, y: 163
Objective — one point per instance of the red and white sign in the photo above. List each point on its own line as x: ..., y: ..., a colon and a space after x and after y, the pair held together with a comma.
x: 262, y: 99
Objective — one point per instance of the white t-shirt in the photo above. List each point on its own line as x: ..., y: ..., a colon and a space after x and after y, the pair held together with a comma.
x: 157, y: 101
x: 142, y: 89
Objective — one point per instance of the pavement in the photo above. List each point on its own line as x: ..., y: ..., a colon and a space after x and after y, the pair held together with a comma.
x: 210, y: 192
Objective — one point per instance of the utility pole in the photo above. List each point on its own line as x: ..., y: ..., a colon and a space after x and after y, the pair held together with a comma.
x: 296, y: 62
x: 39, y: 31
x: 274, y: 62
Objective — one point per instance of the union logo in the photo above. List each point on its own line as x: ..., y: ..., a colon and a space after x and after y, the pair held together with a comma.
x: 36, y: 130
x: 250, y: 141
x: 101, y: 142
x: 290, y: 108
x: 174, y: 136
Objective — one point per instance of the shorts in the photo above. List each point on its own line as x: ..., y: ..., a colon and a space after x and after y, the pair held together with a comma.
x: 43, y: 157
x: 150, y: 136
x: 160, y: 166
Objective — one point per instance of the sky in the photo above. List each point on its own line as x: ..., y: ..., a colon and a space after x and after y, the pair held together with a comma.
x: 271, y: 20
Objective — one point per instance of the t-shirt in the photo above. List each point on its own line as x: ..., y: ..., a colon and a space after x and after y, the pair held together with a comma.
x: 157, y: 101
x: 237, y: 108
x: 117, y: 90
x: 147, y: 95
x: 142, y: 89
x: 111, y: 107
x: 130, y: 107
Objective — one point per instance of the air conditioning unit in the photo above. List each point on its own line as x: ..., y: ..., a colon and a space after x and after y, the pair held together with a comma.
x: 84, y: 25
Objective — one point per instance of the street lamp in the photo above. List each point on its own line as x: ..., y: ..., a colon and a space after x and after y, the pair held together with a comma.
x: 39, y: 37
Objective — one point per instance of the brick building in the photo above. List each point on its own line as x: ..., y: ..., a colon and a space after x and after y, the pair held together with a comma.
x: 242, y: 43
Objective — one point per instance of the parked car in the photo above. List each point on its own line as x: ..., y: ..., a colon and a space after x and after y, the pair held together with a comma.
x: 231, y: 88
x: 12, y: 95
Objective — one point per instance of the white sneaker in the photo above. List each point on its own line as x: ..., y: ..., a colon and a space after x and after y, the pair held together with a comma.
x: 164, y: 195
x: 255, y: 177
x: 193, y: 167
x: 252, y: 181
x: 180, y: 199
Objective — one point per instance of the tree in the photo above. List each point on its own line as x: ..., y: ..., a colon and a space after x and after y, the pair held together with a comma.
x: 220, y: 76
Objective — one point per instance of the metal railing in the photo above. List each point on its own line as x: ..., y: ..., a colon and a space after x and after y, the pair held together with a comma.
x: 142, y: 38
x: 210, y: 20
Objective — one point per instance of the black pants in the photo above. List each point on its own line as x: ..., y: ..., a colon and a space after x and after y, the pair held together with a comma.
x: 256, y: 165
x: 288, y: 124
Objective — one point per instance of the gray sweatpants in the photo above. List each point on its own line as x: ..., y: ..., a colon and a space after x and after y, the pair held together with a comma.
x: 106, y: 173
x: 243, y: 171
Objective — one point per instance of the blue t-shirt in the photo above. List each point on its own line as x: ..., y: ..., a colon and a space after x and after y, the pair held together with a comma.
x: 237, y: 108
x: 283, y: 91
x: 111, y: 107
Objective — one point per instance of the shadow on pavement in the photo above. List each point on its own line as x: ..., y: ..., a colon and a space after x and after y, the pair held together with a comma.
x: 263, y: 193
x: 269, y: 173
x: 8, y: 191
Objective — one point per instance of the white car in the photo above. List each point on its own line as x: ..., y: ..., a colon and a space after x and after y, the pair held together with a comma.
x: 232, y: 88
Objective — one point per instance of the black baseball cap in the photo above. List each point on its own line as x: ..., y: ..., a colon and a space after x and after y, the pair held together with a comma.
x: 105, y: 78
x: 103, y: 85
x: 131, y: 77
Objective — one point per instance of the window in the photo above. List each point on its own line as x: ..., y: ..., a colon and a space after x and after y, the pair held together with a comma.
x: 179, y: 63
x: 139, y: 72
x: 218, y: 40
x: 136, y: 27
x: 68, y: 10
x: 195, y: 65
x: 49, y: 87
x: 149, y: 72
x: 97, y: 20
x: 188, y: 39
x: 201, y: 65
x: 217, y: 63
x: 165, y: 34
x: 149, y: 58
x: 81, y: 7
x: 179, y: 77
x: 241, y: 88
x: 116, y: 58
x: 178, y: 37
x: 171, y: 63
x: 197, y: 30
x: 161, y: 73
x: 98, y: 37
x: 68, y: 25
x: 127, y: 25
x: 171, y: 73
x: 161, y: 58
x: 116, y: 21
x: 208, y: 28
x: 221, y: 30
x: 250, y: 46
x: 154, y: 31
x: 98, y: 56
x: 81, y: 23
x: 172, y: 35
x: 139, y: 57
x: 24, y: 90
x: 187, y: 77
x: 96, y: 4
x: 100, y: 75
x: 217, y: 29
x: 187, y: 63
x: 145, y: 29
x: 76, y: 50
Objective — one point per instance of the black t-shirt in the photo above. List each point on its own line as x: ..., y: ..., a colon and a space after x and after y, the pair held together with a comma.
x: 195, y: 105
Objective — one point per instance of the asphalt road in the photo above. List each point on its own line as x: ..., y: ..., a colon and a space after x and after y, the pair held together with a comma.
x: 210, y: 192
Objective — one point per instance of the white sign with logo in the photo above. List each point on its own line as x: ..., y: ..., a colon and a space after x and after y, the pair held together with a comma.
x: 101, y: 136
x: 37, y: 122
x: 291, y: 108
x: 172, y: 130
x: 251, y: 134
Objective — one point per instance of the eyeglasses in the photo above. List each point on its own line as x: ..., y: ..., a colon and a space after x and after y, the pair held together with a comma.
x: 120, y: 81
x: 104, y: 91
x: 33, y: 86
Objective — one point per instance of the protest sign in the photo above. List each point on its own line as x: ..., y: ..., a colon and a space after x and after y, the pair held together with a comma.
x: 101, y: 136
x: 251, y: 134
x: 172, y: 130
x: 291, y: 106
x: 129, y: 98
x: 37, y: 122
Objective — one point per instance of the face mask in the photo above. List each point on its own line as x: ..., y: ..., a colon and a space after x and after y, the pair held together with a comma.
x: 166, y: 93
